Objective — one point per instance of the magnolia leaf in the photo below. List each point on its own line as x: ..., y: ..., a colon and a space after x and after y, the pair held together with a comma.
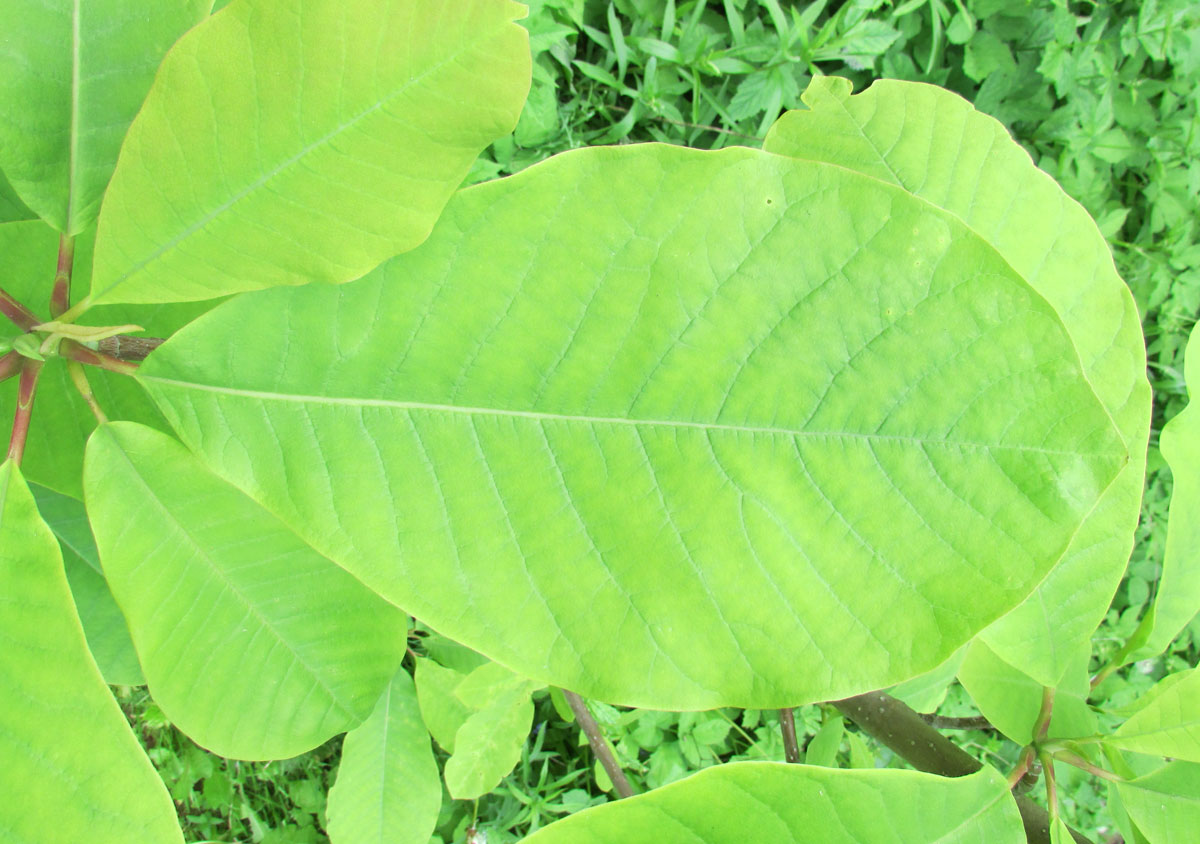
x: 442, y: 711
x: 73, y: 770
x: 935, y: 145
x: 72, y: 76
x: 223, y: 602
x: 488, y: 744
x: 1165, y: 804
x: 1011, y: 700
x: 12, y: 209
x: 772, y: 801
x: 107, y: 635
x: 1177, y: 597
x: 800, y: 446
x: 823, y: 747
x: 1168, y: 723
x: 388, y: 790
x: 286, y: 141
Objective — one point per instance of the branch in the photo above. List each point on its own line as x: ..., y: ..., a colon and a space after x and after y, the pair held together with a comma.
x: 131, y: 349
x: 71, y: 350
x: 899, y: 728
x: 945, y: 722
x: 599, y: 744
x: 791, y: 747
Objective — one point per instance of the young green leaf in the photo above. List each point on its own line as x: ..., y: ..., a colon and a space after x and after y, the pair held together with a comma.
x: 223, y: 601
x: 286, y: 141
x: 802, y: 445
x: 72, y: 76
x: 103, y: 624
x: 1165, y: 804
x: 488, y: 744
x: 1011, y: 700
x: 935, y: 145
x: 1168, y: 723
x: 72, y: 770
x: 442, y: 711
x: 1177, y: 598
x: 768, y: 801
x: 388, y: 790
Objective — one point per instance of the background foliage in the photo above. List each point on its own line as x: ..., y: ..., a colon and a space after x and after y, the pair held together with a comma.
x: 1102, y: 95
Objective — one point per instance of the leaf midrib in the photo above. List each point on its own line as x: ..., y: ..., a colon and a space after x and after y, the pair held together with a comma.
x: 543, y: 416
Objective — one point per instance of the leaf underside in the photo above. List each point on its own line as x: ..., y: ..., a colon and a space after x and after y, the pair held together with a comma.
x: 802, y: 445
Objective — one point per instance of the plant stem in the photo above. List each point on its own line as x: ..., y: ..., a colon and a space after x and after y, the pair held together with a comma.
x: 60, y: 296
x: 1080, y: 762
x: 18, y: 314
x: 1041, y: 727
x: 599, y: 744
x: 787, y: 725
x: 79, y: 378
x: 30, y: 370
x: 128, y: 348
x: 944, y: 722
x: 10, y: 365
x: 898, y: 727
x: 81, y: 353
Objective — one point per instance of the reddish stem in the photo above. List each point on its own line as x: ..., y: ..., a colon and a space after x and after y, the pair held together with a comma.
x: 10, y: 365
x: 18, y: 314
x: 60, y: 296
x: 71, y: 350
x: 30, y: 370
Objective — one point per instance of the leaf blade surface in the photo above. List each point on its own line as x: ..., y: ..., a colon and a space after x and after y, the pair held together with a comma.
x: 636, y: 449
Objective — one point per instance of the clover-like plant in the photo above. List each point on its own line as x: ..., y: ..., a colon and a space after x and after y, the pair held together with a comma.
x: 661, y: 427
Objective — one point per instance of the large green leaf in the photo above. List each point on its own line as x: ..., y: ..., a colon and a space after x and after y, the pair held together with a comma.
x: 224, y: 602
x: 72, y: 75
x: 1177, y: 596
x: 934, y: 144
x: 666, y: 427
x: 107, y: 636
x: 1168, y: 723
x: 1166, y: 803
x: 771, y: 801
x: 388, y: 790
x: 292, y: 140
x: 72, y: 770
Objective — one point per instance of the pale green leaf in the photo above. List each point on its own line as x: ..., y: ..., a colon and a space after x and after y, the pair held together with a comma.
x: 72, y: 75
x: 388, y: 789
x: 72, y: 770
x: 1011, y: 700
x: 442, y: 711
x: 1168, y: 724
x: 1060, y: 833
x: 775, y: 802
x: 488, y: 744
x: 1165, y: 805
x: 223, y: 601
x: 1177, y: 595
x: 661, y: 457
x: 107, y: 636
x: 11, y: 207
x: 286, y: 142
x: 934, y: 144
x: 823, y: 748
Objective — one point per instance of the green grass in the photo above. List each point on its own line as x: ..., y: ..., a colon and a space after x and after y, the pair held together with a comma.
x: 1102, y: 96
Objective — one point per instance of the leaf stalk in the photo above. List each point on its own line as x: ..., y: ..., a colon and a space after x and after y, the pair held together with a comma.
x: 599, y: 744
